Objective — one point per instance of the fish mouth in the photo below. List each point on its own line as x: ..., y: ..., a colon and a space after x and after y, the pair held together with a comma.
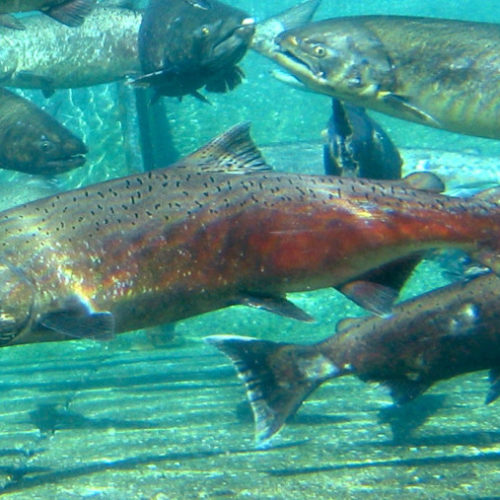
x: 286, y: 55
x: 236, y: 40
x: 298, y: 66
x: 59, y: 165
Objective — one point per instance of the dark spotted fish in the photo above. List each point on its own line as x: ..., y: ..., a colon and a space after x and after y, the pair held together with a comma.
x: 49, y: 56
x: 357, y: 146
x: 198, y: 236
x: 34, y: 142
x: 437, y: 72
x: 68, y: 12
x: 185, y: 45
x: 447, y: 332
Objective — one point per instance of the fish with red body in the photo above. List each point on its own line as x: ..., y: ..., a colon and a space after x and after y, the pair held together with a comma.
x: 444, y: 333
x: 175, y: 242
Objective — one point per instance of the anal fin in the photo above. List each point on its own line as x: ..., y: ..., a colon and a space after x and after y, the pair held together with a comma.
x: 276, y: 305
x: 404, y: 390
x: 372, y: 296
x: 377, y: 289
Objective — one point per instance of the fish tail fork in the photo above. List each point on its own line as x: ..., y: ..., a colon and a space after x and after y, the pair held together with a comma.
x: 278, y: 377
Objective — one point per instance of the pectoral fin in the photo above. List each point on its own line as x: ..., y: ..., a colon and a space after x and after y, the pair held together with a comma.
x: 155, y: 78
x: 76, y: 319
x: 276, y: 305
x: 403, y: 105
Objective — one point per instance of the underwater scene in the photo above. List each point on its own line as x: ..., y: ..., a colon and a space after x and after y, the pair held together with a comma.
x: 249, y: 249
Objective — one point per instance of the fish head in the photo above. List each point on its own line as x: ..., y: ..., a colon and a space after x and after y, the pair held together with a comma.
x: 198, y: 43
x: 336, y: 58
x: 41, y: 148
x: 224, y: 39
x: 17, y: 298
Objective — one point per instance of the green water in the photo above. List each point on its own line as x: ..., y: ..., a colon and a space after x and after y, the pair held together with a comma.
x: 144, y: 416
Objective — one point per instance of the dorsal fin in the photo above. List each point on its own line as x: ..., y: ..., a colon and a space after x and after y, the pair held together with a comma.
x: 427, y: 181
x: 232, y: 152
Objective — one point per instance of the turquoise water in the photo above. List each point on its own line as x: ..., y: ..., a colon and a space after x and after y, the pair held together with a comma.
x: 157, y: 415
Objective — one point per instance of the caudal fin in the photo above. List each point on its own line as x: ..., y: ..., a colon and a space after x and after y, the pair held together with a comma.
x: 267, y: 30
x: 278, y: 377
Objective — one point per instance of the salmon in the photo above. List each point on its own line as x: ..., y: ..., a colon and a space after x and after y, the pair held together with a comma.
x: 444, y: 333
x: 218, y: 228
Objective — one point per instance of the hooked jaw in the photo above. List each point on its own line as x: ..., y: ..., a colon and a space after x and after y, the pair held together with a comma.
x: 287, y: 56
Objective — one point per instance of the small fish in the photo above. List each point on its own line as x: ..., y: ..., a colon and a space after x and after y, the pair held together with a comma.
x: 185, y: 45
x: 68, y: 12
x: 419, y: 69
x: 357, y: 146
x: 444, y: 333
x: 216, y: 229
x: 34, y: 142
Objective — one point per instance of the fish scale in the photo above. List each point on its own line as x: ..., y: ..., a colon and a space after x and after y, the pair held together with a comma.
x: 420, y: 69
x: 176, y: 242
x: 441, y: 334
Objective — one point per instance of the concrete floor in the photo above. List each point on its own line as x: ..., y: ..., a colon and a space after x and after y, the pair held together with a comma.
x: 115, y: 420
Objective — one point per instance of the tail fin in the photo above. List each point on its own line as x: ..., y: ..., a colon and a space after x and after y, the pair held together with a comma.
x: 267, y: 30
x: 278, y: 377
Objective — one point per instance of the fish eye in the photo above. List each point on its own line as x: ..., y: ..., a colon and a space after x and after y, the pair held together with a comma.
x: 319, y: 51
x: 205, y: 30
x: 45, y: 145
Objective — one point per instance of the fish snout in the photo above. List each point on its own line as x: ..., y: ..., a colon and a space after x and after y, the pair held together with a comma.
x: 234, y: 43
x: 246, y: 29
x: 75, y: 146
x: 69, y: 155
